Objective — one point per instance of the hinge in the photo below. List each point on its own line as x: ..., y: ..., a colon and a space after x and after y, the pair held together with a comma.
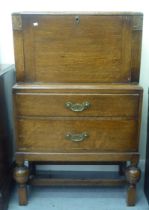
x: 17, y: 22
x: 137, y: 23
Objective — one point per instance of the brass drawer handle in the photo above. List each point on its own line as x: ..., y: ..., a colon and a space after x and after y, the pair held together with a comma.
x: 76, y: 107
x: 76, y: 137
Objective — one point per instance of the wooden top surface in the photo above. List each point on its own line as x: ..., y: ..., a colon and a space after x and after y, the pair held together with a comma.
x: 78, y: 12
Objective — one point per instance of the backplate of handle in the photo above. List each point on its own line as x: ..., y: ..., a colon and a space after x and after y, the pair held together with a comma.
x: 76, y: 137
x: 77, y: 107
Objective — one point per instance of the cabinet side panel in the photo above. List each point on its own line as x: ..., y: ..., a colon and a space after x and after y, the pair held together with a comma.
x: 137, y: 22
x: 18, y: 47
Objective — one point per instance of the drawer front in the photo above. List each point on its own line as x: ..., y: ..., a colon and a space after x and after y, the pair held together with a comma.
x: 42, y: 104
x: 77, y: 48
x: 58, y: 135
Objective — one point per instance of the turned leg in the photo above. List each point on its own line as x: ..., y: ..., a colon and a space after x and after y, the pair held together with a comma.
x: 133, y: 175
x: 21, y: 174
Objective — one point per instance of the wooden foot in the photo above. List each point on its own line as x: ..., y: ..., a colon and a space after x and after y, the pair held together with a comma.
x: 22, y: 192
x: 21, y: 174
x: 133, y: 175
x: 131, y: 195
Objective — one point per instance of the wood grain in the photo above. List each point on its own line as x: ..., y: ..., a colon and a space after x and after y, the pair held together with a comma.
x: 80, y: 157
x: 19, y: 60
x: 104, y: 135
x: 78, y: 57
x: 101, y: 48
x: 77, y: 182
x: 52, y: 105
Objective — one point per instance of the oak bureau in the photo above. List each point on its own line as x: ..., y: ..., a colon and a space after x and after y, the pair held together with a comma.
x: 77, y: 98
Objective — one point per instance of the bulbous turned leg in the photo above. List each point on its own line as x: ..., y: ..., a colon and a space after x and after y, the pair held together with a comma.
x: 21, y: 174
x: 133, y: 175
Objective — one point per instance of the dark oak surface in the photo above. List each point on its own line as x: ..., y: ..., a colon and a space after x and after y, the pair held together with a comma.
x: 102, y: 47
x: 79, y: 87
x: 42, y: 119
x: 146, y: 183
x: 103, y: 135
x: 7, y: 79
x: 77, y: 99
x: 54, y: 104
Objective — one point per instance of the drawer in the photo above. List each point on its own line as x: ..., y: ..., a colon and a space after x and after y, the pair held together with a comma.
x: 84, y: 134
x: 48, y: 104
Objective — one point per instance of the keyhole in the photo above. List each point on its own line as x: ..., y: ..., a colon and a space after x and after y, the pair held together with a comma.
x: 77, y: 18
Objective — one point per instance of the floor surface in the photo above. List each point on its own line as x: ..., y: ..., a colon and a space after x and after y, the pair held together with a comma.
x: 78, y: 198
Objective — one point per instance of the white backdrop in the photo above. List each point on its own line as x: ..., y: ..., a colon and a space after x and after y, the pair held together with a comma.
x: 6, y: 40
